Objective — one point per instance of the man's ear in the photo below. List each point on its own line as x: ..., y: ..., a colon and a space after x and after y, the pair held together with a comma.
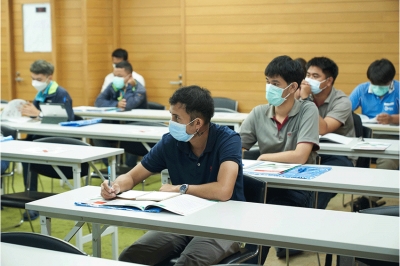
x: 50, y: 77
x: 294, y: 87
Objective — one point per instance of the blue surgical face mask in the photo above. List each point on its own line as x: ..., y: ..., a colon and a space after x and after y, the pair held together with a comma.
x: 274, y: 94
x: 314, y: 84
x: 178, y: 131
x: 118, y: 82
x: 379, y: 90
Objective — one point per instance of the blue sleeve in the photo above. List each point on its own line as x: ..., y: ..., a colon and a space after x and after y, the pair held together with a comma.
x: 355, y: 97
x: 231, y: 150
x: 106, y: 98
x: 136, y: 98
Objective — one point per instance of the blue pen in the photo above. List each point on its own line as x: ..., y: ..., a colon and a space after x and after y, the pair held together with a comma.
x: 301, y: 169
x: 109, y: 176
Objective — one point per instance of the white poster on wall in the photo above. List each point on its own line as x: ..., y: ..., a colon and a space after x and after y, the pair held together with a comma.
x: 37, y: 27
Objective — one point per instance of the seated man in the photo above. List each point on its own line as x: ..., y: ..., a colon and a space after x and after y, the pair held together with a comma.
x: 48, y: 92
x: 117, y: 56
x: 286, y: 129
x: 335, y: 115
x: 204, y: 160
x: 379, y: 98
x: 125, y: 93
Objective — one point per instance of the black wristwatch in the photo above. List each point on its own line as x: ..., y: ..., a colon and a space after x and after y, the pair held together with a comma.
x: 183, y: 188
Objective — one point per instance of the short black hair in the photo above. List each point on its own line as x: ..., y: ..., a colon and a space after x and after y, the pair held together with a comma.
x: 125, y: 65
x: 328, y: 67
x: 196, y: 100
x: 303, y: 63
x: 42, y: 67
x: 120, y: 53
x: 287, y: 68
x: 381, y: 72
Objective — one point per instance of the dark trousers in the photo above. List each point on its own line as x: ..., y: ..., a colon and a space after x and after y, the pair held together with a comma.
x: 336, y: 160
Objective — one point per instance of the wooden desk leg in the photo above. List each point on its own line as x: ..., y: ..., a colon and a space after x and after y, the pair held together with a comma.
x: 45, y: 225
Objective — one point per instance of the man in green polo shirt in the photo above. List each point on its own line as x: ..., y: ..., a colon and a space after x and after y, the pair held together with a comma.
x: 286, y: 129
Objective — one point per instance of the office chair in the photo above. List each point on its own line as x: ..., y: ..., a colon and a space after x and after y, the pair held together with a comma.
x: 40, y: 241
x: 224, y: 110
x: 255, y: 190
x: 155, y: 106
x: 8, y: 131
x: 222, y: 102
x: 364, y: 162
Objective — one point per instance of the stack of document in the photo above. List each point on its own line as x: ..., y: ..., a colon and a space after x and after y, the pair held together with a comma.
x: 366, y: 120
x: 267, y: 168
x: 371, y: 146
x: 335, y: 138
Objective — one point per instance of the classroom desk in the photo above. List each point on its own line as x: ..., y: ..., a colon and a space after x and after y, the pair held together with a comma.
x: 149, y: 134
x: 383, y: 129
x: 150, y: 115
x: 392, y: 152
x: 264, y: 224
x: 347, y: 180
x: 96, y: 131
x: 58, y: 155
x: 63, y: 155
x: 12, y: 254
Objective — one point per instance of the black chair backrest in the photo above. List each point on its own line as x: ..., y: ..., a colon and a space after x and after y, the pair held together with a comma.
x: 358, y: 127
x: 252, y: 154
x: 222, y: 102
x: 255, y: 190
x: 4, y: 101
x: 364, y: 132
x: 8, y: 131
x: 39, y: 241
x: 383, y: 210
x: 156, y: 106
x: 48, y: 170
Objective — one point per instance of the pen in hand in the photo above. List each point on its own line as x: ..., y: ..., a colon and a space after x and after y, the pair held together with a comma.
x: 109, y: 176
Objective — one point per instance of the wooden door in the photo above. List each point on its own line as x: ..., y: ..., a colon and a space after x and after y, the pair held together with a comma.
x: 15, y: 63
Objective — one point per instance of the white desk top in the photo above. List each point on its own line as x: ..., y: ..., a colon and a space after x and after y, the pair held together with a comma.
x: 95, y: 131
x: 348, y: 180
x: 392, y: 152
x: 383, y: 129
x: 151, y: 134
x: 281, y: 226
x: 22, y: 255
x: 154, y: 115
x: 17, y: 150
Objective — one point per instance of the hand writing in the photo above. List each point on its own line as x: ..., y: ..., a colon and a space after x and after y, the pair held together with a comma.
x: 109, y: 192
x: 383, y: 118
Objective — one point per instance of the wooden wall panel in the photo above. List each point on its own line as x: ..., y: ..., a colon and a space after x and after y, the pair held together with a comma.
x: 230, y: 42
x: 6, y: 93
x: 85, y: 37
x: 151, y: 31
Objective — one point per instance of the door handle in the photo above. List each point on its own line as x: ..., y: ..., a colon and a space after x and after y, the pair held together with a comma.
x: 179, y: 82
x: 18, y: 78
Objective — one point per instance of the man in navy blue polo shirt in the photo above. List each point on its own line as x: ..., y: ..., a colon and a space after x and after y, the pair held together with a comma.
x: 204, y: 160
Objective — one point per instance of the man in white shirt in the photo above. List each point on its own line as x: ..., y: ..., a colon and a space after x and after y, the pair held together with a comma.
x: 117, y: 56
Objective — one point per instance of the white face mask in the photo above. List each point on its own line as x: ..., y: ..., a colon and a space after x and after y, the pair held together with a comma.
x: 314, y: 84
x: 39, y: 85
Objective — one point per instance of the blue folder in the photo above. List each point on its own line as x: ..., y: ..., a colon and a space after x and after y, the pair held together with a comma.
x: 80, y: 123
